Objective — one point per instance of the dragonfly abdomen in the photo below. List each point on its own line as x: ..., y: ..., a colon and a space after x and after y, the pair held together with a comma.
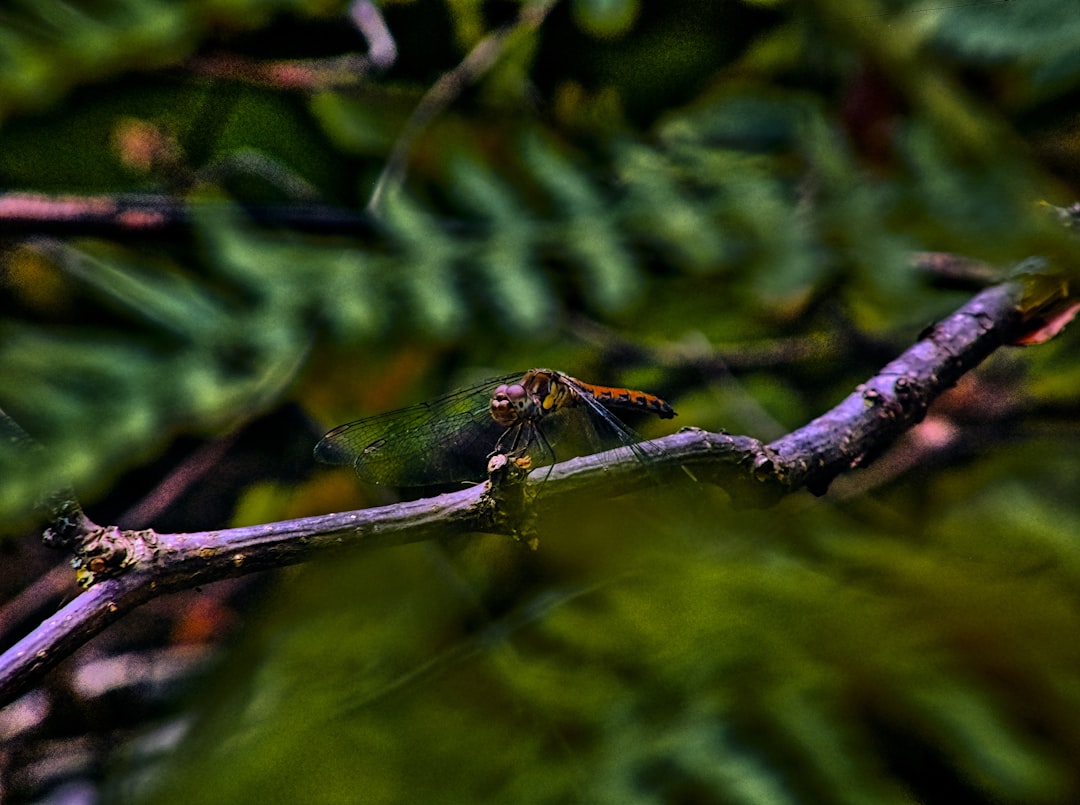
x: 629, y: 398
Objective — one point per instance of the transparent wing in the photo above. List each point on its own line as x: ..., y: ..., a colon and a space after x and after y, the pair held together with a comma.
x: 442, y: 441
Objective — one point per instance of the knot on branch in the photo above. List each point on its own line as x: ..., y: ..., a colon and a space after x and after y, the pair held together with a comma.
x: 763, y: 467
x: 913, y: 397
x: 107, y: 552
x: 508, y: 498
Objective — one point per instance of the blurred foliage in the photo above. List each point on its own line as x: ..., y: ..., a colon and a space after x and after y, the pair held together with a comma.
x: 48, y: 47
x: 743, y: 180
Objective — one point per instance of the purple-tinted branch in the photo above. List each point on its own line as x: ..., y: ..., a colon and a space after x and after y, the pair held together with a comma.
x: 135, y: 566
x: 857, y: 430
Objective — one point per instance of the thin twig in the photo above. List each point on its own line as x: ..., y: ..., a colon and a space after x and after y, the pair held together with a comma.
x: 446, y: 89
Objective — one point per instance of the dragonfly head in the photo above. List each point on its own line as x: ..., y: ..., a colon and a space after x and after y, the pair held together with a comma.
x: 510, y: 404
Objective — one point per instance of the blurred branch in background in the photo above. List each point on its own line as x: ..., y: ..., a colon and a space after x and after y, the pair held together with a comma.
x: 310, y: 75
x: 448, y: 88
x: 134, y: 216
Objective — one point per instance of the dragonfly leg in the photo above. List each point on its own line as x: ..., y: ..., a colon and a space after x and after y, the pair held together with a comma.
x: 547, y: 449
x: 515, y: 432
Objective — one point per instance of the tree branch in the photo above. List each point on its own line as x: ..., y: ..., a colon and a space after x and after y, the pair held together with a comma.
x: 856, y: 431
x: 127, y: 568
x: 135, y: 566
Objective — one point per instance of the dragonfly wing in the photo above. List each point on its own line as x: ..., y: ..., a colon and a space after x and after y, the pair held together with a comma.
x: 624, y: 436
x: 445, y: 440
x: 431, y: 452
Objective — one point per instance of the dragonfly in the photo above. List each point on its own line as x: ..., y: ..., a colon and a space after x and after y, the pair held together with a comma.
x: 532, y: 416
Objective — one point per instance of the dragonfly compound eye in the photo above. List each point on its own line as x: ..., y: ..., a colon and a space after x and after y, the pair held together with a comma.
x: 509, y: 403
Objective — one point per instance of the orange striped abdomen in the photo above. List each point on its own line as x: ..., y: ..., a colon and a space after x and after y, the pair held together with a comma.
x: 616, y: 397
